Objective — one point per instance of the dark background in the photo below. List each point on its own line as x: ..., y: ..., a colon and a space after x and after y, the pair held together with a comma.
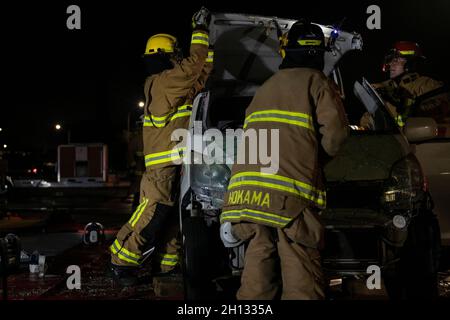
x: 90, y: 80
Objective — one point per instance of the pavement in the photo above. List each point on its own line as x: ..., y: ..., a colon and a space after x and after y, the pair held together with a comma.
x: 67, y: 250
x: 57, y: 234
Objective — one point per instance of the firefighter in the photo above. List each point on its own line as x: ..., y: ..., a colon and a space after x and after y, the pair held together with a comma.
x: 407, y: 93
x: 278, y: 214
x: 169, y: 90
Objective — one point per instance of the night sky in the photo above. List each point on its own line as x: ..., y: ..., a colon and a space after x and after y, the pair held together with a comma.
x: 91, y: 79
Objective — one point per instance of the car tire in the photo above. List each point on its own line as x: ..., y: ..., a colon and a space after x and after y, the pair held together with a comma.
x: 197, y: 260
x: 415, y: 275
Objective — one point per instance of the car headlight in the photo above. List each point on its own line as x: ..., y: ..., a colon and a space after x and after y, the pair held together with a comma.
x: 405, y: 186
x: 210, y: 182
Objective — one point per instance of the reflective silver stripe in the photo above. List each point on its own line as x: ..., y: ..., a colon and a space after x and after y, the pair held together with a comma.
x: 159, y: 122
x: 294, y: 118
x: 278, y: 182
x: 138, y: 209
x: 210, y: 57
x: 169, y: 259
x: 125, y: 250
x: 135, y: 218
x: 165, y: 156
x: 255, y: 215
x: 123, y: 254
x: 200, y: 38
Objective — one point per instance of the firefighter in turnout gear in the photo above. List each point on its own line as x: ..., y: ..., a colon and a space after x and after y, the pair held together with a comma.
x: 169, y: 91
x: 278, y: 213
x: 407, y: 93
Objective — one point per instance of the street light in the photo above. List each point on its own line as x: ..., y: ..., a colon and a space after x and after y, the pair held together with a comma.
x: 141, y: 104
x: 59, y: 127
x: 5, y: 146
x: 1, y: 129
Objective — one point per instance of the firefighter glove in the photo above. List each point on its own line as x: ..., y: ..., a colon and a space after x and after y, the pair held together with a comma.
x: 201, y: 19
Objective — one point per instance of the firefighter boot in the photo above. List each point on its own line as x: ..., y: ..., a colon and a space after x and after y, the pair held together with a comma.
x: 124, y: 276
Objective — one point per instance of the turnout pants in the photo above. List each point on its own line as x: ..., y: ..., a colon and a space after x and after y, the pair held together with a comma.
x: 275, y: 260
x: 153, y: 225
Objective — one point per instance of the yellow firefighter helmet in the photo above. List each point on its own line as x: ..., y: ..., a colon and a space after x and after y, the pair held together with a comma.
x: 161, y: 42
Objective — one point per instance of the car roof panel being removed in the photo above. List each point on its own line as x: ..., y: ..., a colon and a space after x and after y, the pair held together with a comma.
x: 246, y: 46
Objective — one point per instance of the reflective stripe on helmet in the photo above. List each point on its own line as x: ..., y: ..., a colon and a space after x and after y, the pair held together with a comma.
x: 277, y: 182
x: 407, y: 52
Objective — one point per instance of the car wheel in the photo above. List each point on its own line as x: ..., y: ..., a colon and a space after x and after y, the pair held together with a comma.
x: 415, y: 275
x: 197, y: 258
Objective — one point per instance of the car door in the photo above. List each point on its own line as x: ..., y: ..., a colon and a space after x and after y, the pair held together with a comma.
x: 434, y: 156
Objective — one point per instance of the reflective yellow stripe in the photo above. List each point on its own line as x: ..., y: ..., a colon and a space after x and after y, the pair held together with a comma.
x: 210, y: 57
x: 138, y: 209
x: 129, y: 253
x: 159, y: 122
x: 295, y: 118
x: 273, y: 219
x: 278, y: 182
x: 138, y: 213
x: 163, y: 153
x: 407, y: 52
x: 123, y: 254
x: 169, y: 259
x: 122, y: 257
x: 165, y: 156
x: 169, y: 256
x: 399, y: 121
x: 200, y: 38
x: 309, y: 42
x: 181, y: 108
x: 319, y: 201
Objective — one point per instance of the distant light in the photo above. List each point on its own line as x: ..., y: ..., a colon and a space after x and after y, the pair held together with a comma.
x: 334, y: 34
x: 35, y: 170
x: 58, y: 127
x: 141, y: 104
x: 1, y: 129
x: 5, y: 146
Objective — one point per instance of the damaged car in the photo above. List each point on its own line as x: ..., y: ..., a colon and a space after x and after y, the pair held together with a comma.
x: 379, y: 209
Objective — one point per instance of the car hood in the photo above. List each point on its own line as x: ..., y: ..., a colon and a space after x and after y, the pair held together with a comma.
x: 366, y: 157
x: 246, y: 46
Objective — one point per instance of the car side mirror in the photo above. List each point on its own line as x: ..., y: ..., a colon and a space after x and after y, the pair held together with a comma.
x: 420, y: 129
